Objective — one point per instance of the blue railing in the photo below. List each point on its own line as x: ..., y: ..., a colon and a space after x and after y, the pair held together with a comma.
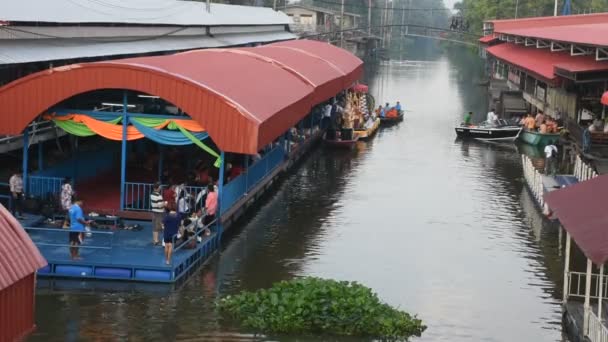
x: 242, y: 184
x: 40, y: 186
x: 137, y: 196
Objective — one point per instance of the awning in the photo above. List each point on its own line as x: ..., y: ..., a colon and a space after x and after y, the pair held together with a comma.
x: 14, y: 51
x: 488, y: 39
x: 542, y: 62
x: 19, y: 257
x: 581, y: 210
x: 212, y: 86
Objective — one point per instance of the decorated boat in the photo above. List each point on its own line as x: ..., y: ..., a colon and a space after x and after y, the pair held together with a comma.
x: 501, y: 131
x: 539, y: 139
x: 366, y: 134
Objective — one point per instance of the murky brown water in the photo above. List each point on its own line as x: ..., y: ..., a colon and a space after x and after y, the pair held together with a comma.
x: 438, y: 227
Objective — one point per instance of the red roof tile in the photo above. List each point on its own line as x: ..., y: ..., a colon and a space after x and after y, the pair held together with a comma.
x: 588, y: 29
x: 19, y: 257
x: 244, y: 98
x: 542, y: 62
x: 581, y: 210
x: 488, y: 39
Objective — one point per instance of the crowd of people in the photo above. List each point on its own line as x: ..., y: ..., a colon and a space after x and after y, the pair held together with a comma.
x: 174, y: 219
x: 542, y: 123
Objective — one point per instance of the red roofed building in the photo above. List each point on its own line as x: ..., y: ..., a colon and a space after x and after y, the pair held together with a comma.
x: 19, y: 261
x: 560, y: 64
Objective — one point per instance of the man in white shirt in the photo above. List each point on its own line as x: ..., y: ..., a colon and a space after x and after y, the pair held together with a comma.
x: 491, y: 119
x: 550, y: 159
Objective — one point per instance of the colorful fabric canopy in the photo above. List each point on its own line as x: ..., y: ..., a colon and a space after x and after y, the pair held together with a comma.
x: 179, y: 132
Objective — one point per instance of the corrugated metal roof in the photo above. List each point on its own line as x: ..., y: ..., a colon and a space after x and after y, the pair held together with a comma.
x: 41, y: 50
x: 588, y: 29
x: 542, y: 62
x: 151, y: 12
x: 580, y: 209
x: 244, y: 100
x: 19, y: 257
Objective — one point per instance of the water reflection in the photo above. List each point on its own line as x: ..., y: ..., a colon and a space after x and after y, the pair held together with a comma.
x: 438, y: 227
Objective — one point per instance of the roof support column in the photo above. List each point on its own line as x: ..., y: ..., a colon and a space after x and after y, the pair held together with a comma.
x: 587, y: 298
x: 40, y: 155
x: 123, y: 154
x: 161, y: 157
x: 600, y: 294
x: 26, y: 146
x: 220, y: 186
x: 566, y: 270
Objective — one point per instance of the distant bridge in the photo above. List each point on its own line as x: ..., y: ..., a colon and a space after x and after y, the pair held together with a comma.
x: 421, y: 31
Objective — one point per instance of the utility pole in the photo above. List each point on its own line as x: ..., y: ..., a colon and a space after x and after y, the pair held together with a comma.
x: 209, y: 6
x: 555, y: 9
x: 402, y: 37
x: 341, y: 25
x: 369, y: 18
x: 516, y: 8
x: 275, y: 5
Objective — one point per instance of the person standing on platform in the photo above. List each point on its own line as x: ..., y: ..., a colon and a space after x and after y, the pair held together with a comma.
x: 550, y: 159
x: 16, y: 185
x: 210, y: 205
x: 171, y: 223
x: 67, y: 193
x: 77, y: 228
x: 157, y: 204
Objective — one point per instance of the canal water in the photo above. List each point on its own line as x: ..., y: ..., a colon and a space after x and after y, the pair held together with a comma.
x: 441, y: 228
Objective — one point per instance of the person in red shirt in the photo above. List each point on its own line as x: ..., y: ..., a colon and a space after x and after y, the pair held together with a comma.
x: 210, y: 205
x: 169, y: 194
x: 235, y: 171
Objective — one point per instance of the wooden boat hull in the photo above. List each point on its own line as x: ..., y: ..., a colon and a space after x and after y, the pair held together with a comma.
x: 338, y: 143
x: 367, y: 134
x: 391, y: 121
x: 539, y: 139
x: 488, y: 134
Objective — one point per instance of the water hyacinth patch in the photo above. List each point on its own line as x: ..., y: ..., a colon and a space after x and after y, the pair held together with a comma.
x: 320, y: 307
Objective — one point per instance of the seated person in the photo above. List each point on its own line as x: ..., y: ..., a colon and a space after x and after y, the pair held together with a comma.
x: 543, y: 128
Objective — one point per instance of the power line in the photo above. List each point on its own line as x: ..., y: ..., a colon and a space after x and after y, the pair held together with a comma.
x: 384, y: 7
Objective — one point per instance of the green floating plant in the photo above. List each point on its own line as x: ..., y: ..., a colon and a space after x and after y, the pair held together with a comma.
x: 320, y: 307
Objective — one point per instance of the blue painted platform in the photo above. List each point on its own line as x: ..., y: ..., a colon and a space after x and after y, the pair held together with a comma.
x: 116, y: 255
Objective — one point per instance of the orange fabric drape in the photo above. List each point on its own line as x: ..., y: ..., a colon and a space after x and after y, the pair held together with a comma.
x: 112, y: 131
x: 190, y: 125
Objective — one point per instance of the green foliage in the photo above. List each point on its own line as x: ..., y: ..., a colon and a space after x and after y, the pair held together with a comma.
x: 320, y: 307
x: 476, y: 11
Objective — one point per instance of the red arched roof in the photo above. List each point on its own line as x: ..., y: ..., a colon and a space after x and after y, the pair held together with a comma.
x: 19, y: 257
x: 245, y: 98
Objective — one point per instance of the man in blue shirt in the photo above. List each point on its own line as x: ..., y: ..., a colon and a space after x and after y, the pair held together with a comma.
x: 77, y: 228
x: 398, y: 106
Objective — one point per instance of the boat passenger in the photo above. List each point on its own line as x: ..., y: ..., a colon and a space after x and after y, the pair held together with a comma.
x: 543, y: 128
x: 467, y: 118
x: 380, y: 112
x: 540, y: 118
x: 387, y: 107
x: 551, y: 125
x: 398, y: 106
x: 530, y: 123
x: 492, y: 118
x: 369, y: 123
